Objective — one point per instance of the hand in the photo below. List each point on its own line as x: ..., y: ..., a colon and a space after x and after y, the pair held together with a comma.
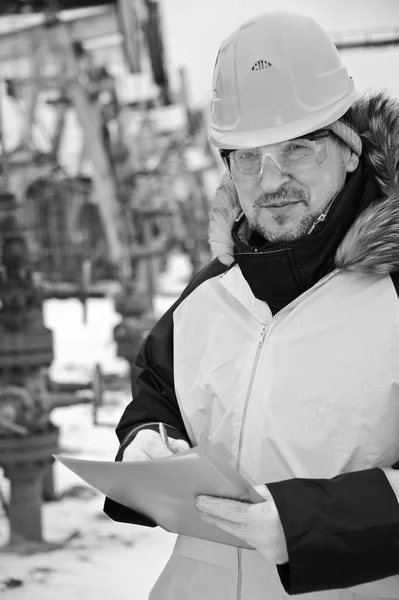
x: 258, y: 525
x: 148, y: 445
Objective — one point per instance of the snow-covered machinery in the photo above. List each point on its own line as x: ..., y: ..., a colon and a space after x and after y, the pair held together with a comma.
x: 170, y: 205
x: 57, y: 71
x: 28, y: 438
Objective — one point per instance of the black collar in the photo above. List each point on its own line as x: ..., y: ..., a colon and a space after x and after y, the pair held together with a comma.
x: 279, y: 273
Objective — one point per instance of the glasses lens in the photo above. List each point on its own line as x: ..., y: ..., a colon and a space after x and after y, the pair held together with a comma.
x: 249, y: 161
x: 296, y: 151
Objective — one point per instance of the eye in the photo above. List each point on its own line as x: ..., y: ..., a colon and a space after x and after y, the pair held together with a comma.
x: 295, y: 146
x: 247, y: 155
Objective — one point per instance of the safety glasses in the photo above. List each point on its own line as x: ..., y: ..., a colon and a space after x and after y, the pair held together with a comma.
x: 289, y: 157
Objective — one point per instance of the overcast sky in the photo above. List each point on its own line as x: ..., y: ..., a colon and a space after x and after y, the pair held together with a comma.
x: 195, y: 28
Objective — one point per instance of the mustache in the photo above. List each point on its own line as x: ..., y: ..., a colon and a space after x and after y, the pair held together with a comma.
x: 290, y: 194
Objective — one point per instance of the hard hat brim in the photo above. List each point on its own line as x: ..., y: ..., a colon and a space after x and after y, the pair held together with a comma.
x: 250, y: 139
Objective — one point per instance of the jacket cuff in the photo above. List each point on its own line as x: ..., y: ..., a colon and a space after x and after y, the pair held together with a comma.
x: 340, y: 532
x: 123, y: 514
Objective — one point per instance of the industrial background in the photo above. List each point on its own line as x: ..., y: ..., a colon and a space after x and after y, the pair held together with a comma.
x: 106, y: 181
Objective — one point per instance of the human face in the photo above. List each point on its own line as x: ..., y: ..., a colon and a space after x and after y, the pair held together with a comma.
x: 283, y: 206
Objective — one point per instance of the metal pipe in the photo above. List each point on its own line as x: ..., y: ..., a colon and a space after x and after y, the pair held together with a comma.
x: 4, y: 156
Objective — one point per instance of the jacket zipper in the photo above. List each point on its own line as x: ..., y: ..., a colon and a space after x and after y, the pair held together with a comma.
x: 246, y: 403
x: 264, y: 330
x: 323, y: 215
x: 305, y: 294
x: 244, y: 416
x: 239, y: 574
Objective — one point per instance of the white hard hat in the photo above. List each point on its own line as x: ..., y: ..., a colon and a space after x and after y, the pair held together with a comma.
x: 279, y: 76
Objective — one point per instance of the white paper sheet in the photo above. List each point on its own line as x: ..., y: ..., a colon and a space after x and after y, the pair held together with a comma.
x: 164, y: 489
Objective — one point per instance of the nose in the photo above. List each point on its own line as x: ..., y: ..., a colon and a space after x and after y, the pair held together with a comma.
x: 272, y: 176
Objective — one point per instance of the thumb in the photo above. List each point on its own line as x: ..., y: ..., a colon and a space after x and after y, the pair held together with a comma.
x: 177, y: 446
x: 263, y: 490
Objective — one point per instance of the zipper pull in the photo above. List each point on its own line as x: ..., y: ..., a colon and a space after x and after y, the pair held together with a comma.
x: 320, y: 219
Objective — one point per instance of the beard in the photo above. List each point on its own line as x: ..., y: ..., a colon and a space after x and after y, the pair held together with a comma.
x: 282, y: 234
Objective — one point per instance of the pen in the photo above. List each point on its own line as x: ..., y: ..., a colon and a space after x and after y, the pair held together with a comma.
x: 163, y: 434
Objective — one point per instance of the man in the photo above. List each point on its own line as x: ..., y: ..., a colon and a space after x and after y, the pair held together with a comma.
x: 286, y: 347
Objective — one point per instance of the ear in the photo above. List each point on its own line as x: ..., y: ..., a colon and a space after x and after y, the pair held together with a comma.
x: 351, y: 160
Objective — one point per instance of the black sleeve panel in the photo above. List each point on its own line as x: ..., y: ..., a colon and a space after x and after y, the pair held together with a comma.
x: 340, y: 532
x: 156, y: 399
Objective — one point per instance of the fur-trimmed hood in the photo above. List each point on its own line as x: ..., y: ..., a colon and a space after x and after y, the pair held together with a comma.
x: 372, y: 243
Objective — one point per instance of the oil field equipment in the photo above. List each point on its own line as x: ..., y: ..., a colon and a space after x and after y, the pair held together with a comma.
x: 28, y: 438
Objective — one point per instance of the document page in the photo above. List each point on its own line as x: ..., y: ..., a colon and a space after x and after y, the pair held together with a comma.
x: 165, y: 489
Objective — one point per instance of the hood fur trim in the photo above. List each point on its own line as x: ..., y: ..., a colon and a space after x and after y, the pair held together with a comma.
x: 226, y: 208
x: 372, y: 243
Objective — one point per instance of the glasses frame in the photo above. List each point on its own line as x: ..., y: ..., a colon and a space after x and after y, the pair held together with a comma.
x: 314, y: 136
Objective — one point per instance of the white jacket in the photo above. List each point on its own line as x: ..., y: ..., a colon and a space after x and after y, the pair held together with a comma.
x: 311, y: 392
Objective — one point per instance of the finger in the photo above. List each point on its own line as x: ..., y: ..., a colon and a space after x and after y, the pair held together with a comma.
x: 147, y: 445
x: 231, y: 510
x: 156, y: 448
x: 135, y: 456
x: 178, y: 446
x: 222, y: 523
x: 263, y: 491
x: 238, y: 529
x: 151, y: 445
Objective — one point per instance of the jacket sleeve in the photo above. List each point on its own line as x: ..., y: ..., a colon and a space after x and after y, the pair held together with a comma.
x: 340, y: 532
x: 155, y: 400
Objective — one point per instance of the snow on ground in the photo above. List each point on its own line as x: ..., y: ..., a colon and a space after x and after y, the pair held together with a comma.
x: 99, y: 559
